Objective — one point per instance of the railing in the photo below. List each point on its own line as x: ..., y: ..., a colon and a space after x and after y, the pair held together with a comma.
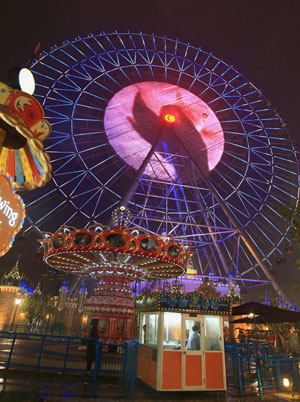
x: 42, y: 352
x: 254, y: 367
x: 67, y: 354
x: 44, y: 330
x: 130, y: 363
x: 117, y: 360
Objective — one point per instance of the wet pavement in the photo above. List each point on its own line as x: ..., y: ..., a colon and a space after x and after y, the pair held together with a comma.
x: 16, y: 386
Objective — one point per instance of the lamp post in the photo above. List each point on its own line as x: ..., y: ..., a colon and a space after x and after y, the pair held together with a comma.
x: 48, y: 319
x: 17, y: 302
x: 84, y: 322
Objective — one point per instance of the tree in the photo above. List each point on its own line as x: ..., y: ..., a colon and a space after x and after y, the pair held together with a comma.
x: 291, y: 218
x: 36, y: 307
x: 284, y: 331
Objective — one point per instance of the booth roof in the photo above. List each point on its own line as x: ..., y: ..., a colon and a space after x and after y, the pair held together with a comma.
x: 261, y: 319
x: 265, y: 313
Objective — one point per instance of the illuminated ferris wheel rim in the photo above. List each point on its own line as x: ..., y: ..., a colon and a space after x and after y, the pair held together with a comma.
x: 254, y: 152
x: 90, y: 82
x: 114, y: 50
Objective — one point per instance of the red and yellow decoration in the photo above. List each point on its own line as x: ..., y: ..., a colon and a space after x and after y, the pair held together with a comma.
x: 139, y: 255
x: 125, y: 251
x: 12, y: 213
x: 115, y: 256
x: 23, y: 128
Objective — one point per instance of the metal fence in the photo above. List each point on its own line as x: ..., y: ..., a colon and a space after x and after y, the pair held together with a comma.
x: 130, y: 364
x: 252, y: 367
x: 67, y: 354
x: 117, y: 360
x: 45, y: 329
x: 42, y: 352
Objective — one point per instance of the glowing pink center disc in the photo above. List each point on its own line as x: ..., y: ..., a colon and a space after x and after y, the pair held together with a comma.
x: 135, y: 115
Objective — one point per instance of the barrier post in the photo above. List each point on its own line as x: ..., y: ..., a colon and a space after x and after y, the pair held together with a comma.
x: 134, y: 347
x: 125, y: 357
x: 66, y: 354
x: 96, y: 368
x: 40, y: 353
x: 11, y: 350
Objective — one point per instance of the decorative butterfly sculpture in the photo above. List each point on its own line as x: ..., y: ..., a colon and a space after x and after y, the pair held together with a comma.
x: 23, y: 128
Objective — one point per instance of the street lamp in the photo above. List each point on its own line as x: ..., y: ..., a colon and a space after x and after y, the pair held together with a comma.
x: 48, y: 318
x: 17, y: 302
x: 84, y: 322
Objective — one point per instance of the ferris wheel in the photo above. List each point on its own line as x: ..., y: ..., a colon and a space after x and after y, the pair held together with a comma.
x: 188, y: 143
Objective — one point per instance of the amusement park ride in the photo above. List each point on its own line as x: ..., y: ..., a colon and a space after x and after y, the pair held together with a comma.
x: 115, y: 257
x: 188, y: 158
x: 214, y: 177
x: 183, y: 140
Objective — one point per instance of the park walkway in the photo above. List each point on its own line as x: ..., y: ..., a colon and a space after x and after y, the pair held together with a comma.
x: 18, y: 386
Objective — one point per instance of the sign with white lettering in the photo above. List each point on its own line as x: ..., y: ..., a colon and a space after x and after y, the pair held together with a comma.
x: 193, y: 302
x: 12, y: 213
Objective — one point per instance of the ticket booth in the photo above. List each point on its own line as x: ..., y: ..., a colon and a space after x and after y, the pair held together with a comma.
x: 182, y: 348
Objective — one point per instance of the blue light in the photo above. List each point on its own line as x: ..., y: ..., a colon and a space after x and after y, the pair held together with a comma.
x: 64, y: 286
x: 267, y: 301
x: 30, y: 290
x: 281, y: 304
x: 24, y: 286
x: 83, y: 287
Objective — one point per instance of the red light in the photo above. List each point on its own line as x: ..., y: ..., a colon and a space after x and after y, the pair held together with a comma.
x: 170, y: 118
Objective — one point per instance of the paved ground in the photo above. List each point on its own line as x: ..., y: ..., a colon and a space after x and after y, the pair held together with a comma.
x: 30, y: 387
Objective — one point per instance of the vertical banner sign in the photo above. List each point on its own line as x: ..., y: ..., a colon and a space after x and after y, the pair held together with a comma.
x: 12, y: 213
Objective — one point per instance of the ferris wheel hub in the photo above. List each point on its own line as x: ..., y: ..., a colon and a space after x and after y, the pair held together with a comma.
x: 170, y: 118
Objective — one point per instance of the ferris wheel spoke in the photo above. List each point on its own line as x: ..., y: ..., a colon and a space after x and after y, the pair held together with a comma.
x: 270, y: 226
x: 37, y: 200
x: 257, y: 171
x: 51, y: 212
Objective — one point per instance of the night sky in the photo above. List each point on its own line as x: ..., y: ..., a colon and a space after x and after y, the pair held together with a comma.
x: 260, y: 38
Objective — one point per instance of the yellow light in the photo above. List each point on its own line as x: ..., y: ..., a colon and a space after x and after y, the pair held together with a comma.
x: 251, y: 315
x: 286, y: 382
x: 18, y: 301
x: 170, y: 118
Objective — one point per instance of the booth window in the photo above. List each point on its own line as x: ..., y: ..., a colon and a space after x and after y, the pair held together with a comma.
x: 193, y: 334
x: 172, y: 331
x: 148, y: 329
x: 213, y: 337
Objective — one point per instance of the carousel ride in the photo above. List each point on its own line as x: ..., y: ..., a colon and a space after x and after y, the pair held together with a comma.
x: 115, y: 256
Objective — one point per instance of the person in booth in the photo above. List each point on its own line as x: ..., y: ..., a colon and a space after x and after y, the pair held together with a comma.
x: 193, y: 342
